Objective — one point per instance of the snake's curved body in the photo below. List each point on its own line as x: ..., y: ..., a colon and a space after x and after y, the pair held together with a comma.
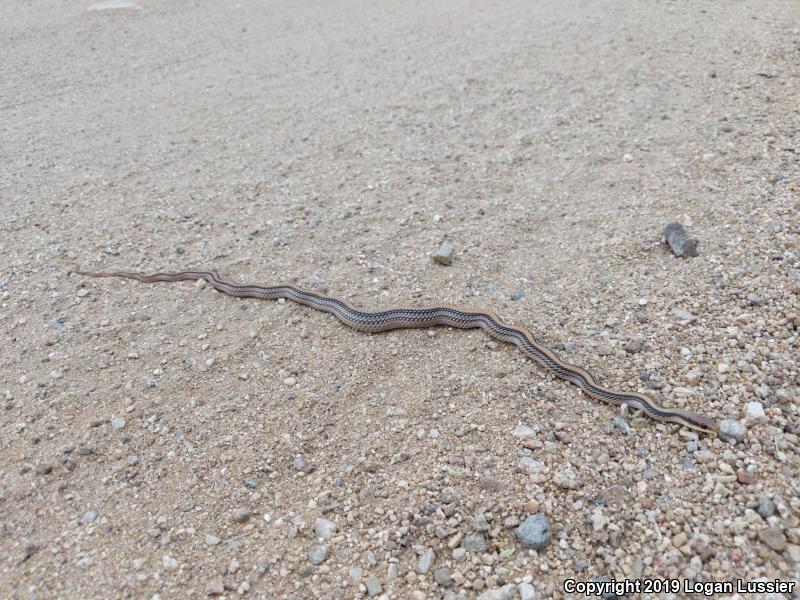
x: 451, y: 316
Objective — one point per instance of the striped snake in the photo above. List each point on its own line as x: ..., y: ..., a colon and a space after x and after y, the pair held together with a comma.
x: 440, y: 314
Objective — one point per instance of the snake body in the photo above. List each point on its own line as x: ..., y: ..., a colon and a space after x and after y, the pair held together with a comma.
x: 440, y: 314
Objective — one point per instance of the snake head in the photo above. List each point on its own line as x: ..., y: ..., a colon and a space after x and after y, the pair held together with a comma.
x: 697, y: 421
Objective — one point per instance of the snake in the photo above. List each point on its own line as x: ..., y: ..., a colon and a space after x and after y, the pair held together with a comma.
x: 430, y: 316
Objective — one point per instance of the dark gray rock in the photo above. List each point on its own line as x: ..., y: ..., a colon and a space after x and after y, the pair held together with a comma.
x: 679, y: 241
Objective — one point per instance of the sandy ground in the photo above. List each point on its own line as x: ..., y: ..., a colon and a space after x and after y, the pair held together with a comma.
x: 167, y: 441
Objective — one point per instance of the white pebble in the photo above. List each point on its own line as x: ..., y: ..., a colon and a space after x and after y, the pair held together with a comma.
x: 755, y: 411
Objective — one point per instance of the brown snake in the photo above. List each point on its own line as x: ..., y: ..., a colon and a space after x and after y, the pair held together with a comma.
x: 440, y: 314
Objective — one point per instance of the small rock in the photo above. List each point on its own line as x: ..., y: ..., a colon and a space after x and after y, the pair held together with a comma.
x: 635, y: 344
x: 732, y: 430
x: 566, y: 479
x: 598, y: 519
x: 526, y: 591
x: 694, y: 376
x: 516, y: 296
x: 755, y: 411
x: 169, y: 563
x: 373, y: 586
x: 212, y: 540
x: 507, y: 592
x: 766, y: 508
x: 443, y: 577
x: 318, y: 554
x: 523, y: 431
x: 774, y: 538
x: 768, y: 73
x: 324, y: 528
x: 215, y: 587
x: 679, y: 241
x: 118, y: 422
x: 444, y: 255
x: 475, y: 542
x: 683, y: 317
x: 489, y: 482
x: 621, y: 424
x: 425, y: 561
x: 534, y: 532
x: 528, y: 464
x: 88, y: 517
x: 241, y: 515
x: 746, y: 477
x: 447, y: 495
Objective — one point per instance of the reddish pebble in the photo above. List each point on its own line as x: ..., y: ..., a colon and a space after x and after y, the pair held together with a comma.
x: 746, y: 477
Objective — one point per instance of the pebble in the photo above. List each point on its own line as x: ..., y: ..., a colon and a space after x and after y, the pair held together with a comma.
x: 683, y: 316
x: 88, y: 517
x: 526, y: 591
x: 534, y: 532
x: 694, y: 376
x: 516, y: 296
x: 169, y: 563
x: 118, y: 422
x: 566, y: 479
x: 732, y: 430
x: 766, y: 508
x: 755, y: 411
x: 621, y: 424
x: 324, y: 528
x: 489, y: 482
x: 474, y: 542
x: 444, y: 255
x: 318, y: 554
x: 373, y: 586
x: 507, y: 592
x: 241, y: 515
x: 212, y: 540
x: 215, y: 587
x: 679, y: 241
x: 635, y: 344
x: 528, y: 464
x: 425, y: 561
x: 773, y: 537
x: 447, y: 495
x: 523, y: 431
x: 443, y: 577
x: 746, y: 477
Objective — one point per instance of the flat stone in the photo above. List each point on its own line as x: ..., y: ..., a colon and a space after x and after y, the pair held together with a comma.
x: 318, y: 554
x: 373, y: 586
x: 475, y: 542
x: 774, y: 538
x: 425, y: 561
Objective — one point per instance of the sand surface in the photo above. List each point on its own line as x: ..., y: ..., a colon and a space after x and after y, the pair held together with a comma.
x: 166, y: 441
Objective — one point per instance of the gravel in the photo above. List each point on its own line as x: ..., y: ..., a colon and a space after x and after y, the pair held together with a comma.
x: 547, y: 145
